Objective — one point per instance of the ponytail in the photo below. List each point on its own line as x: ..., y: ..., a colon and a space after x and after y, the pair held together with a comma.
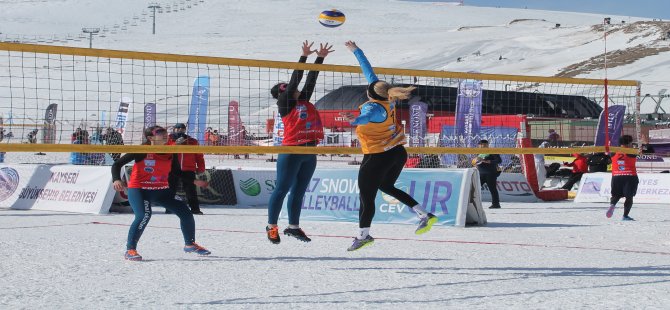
x: 400, y: 93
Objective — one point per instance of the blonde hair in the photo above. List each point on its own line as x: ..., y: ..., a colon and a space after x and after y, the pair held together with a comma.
x: 393, y: 93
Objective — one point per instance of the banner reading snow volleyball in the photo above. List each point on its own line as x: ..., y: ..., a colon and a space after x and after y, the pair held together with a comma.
x: 333, y: 195
x: 197, y: 114
x: 468, y: 112
x: 149, y: 115
x: 613, y: 123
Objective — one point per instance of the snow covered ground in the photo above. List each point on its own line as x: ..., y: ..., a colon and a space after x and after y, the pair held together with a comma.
x: 550, y: 255
x: 530, y: 256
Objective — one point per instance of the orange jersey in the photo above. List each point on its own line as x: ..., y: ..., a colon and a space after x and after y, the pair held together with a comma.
x: 382, y: 136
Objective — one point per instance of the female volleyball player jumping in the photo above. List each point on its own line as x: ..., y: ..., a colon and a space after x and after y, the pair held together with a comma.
x: 302, y: 127
x: 382, y: 140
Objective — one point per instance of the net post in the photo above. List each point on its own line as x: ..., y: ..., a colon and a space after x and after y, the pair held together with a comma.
x: 638, y: 122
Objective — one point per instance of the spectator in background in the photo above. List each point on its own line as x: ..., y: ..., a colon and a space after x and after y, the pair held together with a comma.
x: 214, y: 138
x: 80, y: 137
x: 598, y: 162
x: 243, y: 141
x: 75, y: 134
x: 579, y: 167
x: 553, y: 138
x: 32, y: 136
x: 186, y: 166
x: 113, y: 137
x: 487, y: 165
x: 208, y: 135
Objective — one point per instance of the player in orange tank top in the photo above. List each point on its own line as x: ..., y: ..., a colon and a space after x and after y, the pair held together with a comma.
x: 382, y: 139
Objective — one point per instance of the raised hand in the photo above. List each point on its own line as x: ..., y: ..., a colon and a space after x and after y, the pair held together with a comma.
x: 307, y: 48
x: 324, y: 50
x: 351, y: 45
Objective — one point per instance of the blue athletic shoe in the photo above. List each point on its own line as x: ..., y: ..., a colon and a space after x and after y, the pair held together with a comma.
x: 197, y: 249
x: 361, y: 243
x: 627, y: 218
x: 610, y: 211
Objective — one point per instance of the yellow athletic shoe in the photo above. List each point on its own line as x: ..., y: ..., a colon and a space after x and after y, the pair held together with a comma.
x: 426, y: 224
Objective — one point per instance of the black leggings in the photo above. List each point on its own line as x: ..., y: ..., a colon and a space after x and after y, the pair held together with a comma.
x: 627, y: 205
x: 186, y: 178
x: 379, y: 172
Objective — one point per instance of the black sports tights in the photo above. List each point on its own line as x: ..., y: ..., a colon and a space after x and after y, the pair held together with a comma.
x: 379, y: 172
x: 627, y: 205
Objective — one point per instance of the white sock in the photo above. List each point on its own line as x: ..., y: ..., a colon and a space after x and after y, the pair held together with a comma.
x: 293, y: 226
x: 420, y: 211
x: 364, y: 233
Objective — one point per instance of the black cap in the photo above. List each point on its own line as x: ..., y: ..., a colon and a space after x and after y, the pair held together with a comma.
x: 179, y: 125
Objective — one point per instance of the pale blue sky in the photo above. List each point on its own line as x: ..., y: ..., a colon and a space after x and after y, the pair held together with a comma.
x: 639, y: 8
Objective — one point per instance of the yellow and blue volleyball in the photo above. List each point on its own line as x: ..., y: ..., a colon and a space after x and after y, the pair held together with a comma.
x: 332, y: 18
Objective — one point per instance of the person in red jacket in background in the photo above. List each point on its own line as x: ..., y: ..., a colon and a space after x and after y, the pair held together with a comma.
x: 624, y: 179
x: 579, y: 167
x: 190, y: 164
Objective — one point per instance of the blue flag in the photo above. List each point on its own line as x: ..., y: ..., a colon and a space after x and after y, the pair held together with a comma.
x: 468, y: 113
x: 197, y: 115
x: 615, y: 123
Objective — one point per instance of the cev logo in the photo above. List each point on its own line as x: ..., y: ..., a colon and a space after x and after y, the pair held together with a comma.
x: 392, y: 204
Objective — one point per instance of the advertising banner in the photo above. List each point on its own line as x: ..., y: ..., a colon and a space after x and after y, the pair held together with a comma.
x: 197, y: 114
x: 333, y: 195
x: 69, y: 188
x: 615, y: 123
x: 254, y: 187
x: 149, y: 115
x: 597, y: 187
x: 468, y: 112
x: 417, y: 124
x: 512, y: 187
x: 122, y: 115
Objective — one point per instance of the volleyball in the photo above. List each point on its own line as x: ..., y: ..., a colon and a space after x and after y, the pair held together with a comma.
x: 332, y: 18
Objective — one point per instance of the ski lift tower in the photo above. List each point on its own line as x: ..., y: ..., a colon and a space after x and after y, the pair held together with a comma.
x: 153, y: 7
x: 91, y: 32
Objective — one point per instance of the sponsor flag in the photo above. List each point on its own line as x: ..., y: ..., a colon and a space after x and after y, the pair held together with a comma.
x: 197, y: 115
x: 615, y: 123
x: 149, y: 115
x: 49, y: 132
x: 122, y: 115
x: 468, y: 112
x: 278, y: 131
x: 417, y: 123
x: 235, y: 134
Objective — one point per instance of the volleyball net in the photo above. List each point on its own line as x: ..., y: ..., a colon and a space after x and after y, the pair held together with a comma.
x: 63, y: 99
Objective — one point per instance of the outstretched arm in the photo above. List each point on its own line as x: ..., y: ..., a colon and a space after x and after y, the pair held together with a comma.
x: 310, y: 83
x: 370, y: 112
x: 363, y: 62
x: 285, y: 101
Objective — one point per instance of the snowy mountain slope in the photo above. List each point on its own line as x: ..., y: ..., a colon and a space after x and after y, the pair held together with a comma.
x: 417, y: 35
